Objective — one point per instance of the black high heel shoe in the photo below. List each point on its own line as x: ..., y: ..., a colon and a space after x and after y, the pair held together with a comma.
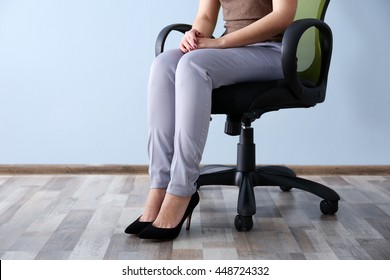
x: 152, y: 232
x: 137, y: 226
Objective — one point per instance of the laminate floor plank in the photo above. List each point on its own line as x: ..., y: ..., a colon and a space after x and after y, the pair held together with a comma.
x: 84, y: 216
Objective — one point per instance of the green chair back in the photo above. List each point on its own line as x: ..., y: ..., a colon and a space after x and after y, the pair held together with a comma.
x: 309, y: 51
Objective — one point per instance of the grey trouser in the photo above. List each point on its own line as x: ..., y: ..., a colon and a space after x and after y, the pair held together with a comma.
x: 179, y: 105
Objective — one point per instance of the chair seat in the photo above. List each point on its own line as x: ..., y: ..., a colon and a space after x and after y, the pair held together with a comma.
x: 254, y: 98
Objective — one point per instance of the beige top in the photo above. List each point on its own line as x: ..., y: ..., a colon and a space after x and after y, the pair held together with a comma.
x: 240, y: 13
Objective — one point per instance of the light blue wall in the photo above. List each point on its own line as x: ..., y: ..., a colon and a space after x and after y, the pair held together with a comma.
x: 73, y: 78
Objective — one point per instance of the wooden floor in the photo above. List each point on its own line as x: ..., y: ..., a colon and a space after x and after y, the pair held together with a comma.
x: 83, y: 217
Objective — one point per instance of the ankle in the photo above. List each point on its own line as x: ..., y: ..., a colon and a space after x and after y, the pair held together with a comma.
x: 153, y: 204
x: 172, y: 211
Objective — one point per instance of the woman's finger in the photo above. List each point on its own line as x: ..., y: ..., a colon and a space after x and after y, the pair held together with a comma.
x: 185, y: 46
x: 191, y: 39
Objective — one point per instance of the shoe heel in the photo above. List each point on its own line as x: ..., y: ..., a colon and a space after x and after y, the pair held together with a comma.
x: 188, y: 224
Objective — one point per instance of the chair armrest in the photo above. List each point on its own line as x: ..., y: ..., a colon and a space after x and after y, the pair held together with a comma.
x: 164, y: 33
x: 290, y: 42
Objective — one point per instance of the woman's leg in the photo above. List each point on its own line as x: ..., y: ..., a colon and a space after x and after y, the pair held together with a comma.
x: 197, y: 74
x: 161, y: 123
x: 161, y: 116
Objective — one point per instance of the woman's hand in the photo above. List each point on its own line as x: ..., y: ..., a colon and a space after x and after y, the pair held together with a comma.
x: 189, y: 42
x: 193, y: 40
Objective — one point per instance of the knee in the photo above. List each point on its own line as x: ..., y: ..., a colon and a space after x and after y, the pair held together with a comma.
x: 166, y: 61
x: 191, y: 65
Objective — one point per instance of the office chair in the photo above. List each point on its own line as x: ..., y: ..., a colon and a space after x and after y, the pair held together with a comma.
x: 306, y: 56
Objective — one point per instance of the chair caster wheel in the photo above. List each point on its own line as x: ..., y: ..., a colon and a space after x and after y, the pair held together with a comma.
x: 329, y: 207
x: 285, y: 189
x: 243, y: 223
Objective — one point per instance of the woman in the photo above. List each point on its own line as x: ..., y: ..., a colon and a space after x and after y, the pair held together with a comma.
x: 179, y: 99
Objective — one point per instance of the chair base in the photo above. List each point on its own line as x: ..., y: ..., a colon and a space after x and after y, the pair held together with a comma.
x: 280, y: 176
x: 246, y: 175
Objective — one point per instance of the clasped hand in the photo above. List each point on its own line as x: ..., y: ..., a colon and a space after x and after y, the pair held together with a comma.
x: 194, y: 39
